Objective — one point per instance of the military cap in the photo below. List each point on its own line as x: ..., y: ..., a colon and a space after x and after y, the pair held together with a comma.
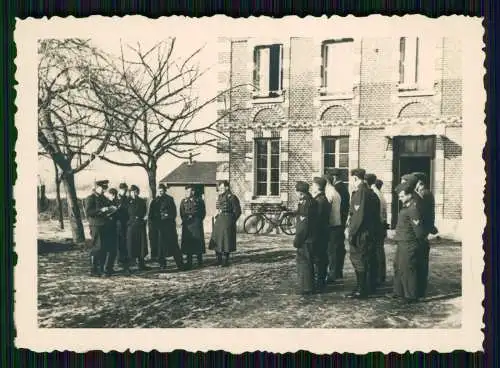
x: 190, y: 186
x: 302, y: 186
x: 406, y: 187
x: 420, y: 176
x: 321, y: 182
x: 360, y: 173
x: 334, y: 171
x: 102, y: 183
x: 328, y: 178
x: 134, y: 188
x: 225, y: 182
x: 113, y: 191
x: 123, y: 186
x: 162, y: 186
x: 379, y: 183
x: 370, y: 179
x: 410, y: 179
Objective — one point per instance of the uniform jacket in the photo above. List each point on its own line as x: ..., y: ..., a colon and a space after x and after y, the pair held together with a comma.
x: 410, y: 227
x: 306, y: 218
x: 364, y: 211
x: 383, y: 204
x: 341, y: 188
x: 122, y: 202
x: 192, y: 211
x: 136, y: 210
x: 322, y: 223
x: 427, y: 208
x: 93, y: 209
x: 335, y: 218
x: 162, y: 208
x: 223, y: 238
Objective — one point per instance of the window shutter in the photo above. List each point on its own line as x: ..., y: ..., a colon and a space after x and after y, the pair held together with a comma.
x: 256, y: 68
x: 274, y: 68
x: 402, y: 60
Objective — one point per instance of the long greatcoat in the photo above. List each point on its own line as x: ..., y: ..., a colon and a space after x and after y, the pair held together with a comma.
x: 304, y: 242
x: 137, y: 244
x: 162, y: 214
x: 98, y: 222
x: 364, y: 216
x: 193, y: 212
x: 223, y: 239
x: 426, y: 206
x: 121, y: 227
x: 410, y: 231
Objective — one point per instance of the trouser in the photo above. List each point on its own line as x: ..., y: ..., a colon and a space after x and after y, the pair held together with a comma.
x: 153, y: 235
x: 122, y: 243
x: 305, y: 269
x: 320, y: 264
x: 103, y: 252
x: 406, y: 270
x: 381, y: 260
x: 360, y: 249
x: 336, y: 252
x: 199, y: 257
x: 220, y: 260
x: 423, y: 268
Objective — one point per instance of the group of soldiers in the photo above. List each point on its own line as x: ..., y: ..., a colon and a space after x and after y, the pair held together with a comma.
x: 118, y: 220
x: 326, y: 214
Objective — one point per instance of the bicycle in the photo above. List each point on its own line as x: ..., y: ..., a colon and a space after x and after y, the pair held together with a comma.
x: 255, y: 222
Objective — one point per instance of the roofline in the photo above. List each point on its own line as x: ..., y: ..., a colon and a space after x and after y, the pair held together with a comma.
x: 186, y: 183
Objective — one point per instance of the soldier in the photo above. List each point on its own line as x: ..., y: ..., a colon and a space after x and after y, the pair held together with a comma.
x: 137, y: 245
x: 223, y: 239
x: 336, y: 245
x: 121, y: 225
x: 192, y: 210
x: 96, y: 207
x: 364, y: 215
x: 427, y: 208
x: 162, y: 215
x: 379, y: 252
x: 322, y: 233
x: 410, y: 232
x: 304, y: 238
x: 111, y: 244
x: 342, y: 189
x: 383, y: 208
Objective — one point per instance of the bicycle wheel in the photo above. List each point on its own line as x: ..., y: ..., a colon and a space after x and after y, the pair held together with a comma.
x: 288, y: 224
x: 253, y: 224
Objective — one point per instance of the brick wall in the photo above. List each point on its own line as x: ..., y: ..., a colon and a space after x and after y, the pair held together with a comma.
x: 453, y: 173
x: 376, y: 95
x: 299, y: 161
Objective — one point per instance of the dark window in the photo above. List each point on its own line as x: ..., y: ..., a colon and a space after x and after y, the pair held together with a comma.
x: 268, y: 73
x: 336, y: 155
x: 267, y: 159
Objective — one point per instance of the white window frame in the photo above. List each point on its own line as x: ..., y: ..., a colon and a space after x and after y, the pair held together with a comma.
x: 421, y: 66
x: 268, y: 167
x: 258, y: 93
x: 324, y: 88
x: 336, y: 153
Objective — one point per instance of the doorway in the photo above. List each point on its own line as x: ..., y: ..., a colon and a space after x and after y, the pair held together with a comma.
x: 411, y: 154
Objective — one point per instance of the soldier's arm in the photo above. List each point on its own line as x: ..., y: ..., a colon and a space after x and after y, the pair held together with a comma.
x: 236, y: 207
x: 173, y: 208
x: 203, y: 210
x: 91, y: 207
x: 182, y: 210
x: 416, y: 221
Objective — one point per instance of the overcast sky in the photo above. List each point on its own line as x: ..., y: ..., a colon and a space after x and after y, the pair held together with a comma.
x: 207, y: 89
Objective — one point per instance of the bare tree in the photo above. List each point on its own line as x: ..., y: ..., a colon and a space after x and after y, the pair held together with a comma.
x: 71, y: 131
x: 154, y: 105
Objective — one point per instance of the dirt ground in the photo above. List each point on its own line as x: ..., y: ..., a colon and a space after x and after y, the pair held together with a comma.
x: 257, y: 290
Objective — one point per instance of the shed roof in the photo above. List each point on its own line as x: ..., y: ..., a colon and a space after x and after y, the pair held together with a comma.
x: 197, y: 172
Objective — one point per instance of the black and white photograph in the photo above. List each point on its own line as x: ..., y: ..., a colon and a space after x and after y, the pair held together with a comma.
x: 312, y: 177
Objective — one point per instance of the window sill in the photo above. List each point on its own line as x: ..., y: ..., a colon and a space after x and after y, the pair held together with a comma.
x: 336, y: 96
x: 258, y: 99
x: 266, y: 199
x: 410, y: 91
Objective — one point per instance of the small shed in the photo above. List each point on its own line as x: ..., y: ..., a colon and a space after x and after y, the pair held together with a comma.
x: 198, y: 173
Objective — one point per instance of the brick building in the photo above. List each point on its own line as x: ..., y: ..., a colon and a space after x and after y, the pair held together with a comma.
x: 389, y: 105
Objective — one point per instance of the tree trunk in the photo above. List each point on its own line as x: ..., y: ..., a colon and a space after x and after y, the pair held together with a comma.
x: 152, y: 181
x: 75, y: 218
x: 58, y: 198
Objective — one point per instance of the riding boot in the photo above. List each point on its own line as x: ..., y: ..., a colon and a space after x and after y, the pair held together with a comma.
x: 141, y: 264
x: 94, y: 269
x: 226, y: 260
x: 219, y: 259
x: 189, y: 261
x: 200, y: 259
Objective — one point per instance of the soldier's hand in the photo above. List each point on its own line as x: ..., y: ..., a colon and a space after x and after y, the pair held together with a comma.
x: 104, y: 209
